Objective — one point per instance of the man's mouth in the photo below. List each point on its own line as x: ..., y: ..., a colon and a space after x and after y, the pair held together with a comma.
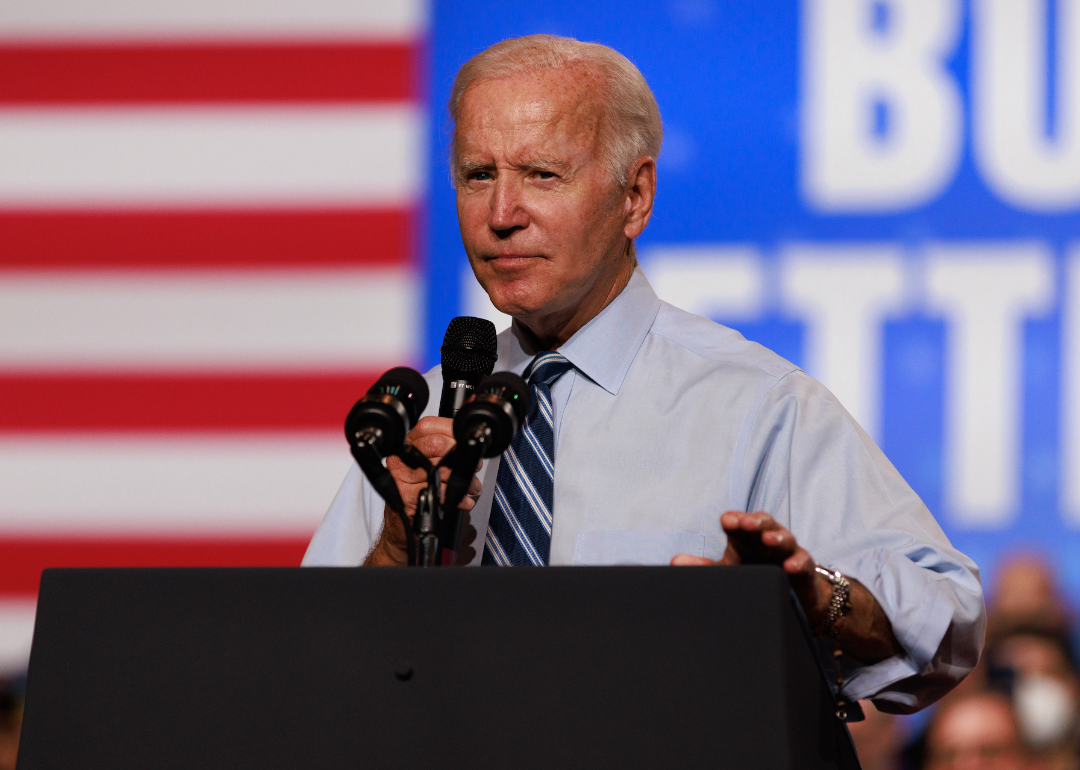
x: 510, y: 260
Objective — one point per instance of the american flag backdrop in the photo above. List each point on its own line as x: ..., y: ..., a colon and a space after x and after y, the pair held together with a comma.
x: 207, y: 226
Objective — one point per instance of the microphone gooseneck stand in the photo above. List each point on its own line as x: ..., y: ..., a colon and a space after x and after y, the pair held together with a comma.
x: 462, y: 461
x: 367, y: 457
x: 426, y: 533
x: 436, y: 525
x: 427, y: 521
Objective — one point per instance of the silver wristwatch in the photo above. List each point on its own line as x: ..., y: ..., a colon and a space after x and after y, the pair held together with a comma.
x: 838, y: 603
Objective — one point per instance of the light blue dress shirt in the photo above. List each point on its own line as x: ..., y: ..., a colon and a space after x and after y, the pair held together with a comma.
x: 667, y: 421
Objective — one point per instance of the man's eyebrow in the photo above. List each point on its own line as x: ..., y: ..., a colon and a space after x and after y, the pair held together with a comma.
x: 466, y: 167
x: 547, y: 163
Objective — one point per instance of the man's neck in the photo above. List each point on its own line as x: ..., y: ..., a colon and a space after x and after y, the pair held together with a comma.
x: 551, y: 332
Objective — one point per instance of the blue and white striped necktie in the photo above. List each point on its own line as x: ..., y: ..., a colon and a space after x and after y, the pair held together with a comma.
x: 519, y: 529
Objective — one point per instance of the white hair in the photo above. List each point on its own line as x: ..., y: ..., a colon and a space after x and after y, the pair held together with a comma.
x: 631, y: 124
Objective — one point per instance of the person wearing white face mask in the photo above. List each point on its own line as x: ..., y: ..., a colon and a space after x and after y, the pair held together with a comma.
x: 1045, y: 689
x: 1046, y: 709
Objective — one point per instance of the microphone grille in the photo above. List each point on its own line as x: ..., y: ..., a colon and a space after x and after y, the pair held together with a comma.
x: 469, y: 346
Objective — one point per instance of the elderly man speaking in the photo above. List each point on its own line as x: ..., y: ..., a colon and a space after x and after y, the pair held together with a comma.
x: 655, y: 431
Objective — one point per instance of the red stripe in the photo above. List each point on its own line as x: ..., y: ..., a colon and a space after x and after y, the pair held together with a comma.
x: 33, y: 402
x: 22, y: 559
x: 206, y: 239
x: 95, y: 74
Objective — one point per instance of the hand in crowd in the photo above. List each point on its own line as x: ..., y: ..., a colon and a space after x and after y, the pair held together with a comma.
x: 433, y: 437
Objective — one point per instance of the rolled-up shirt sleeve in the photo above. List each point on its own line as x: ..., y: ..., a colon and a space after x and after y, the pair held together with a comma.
x: 819, y: 474
x: 350, y: 527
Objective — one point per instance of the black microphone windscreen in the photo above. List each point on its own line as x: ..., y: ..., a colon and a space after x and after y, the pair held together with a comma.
x: 469, y: 347
x: 516, y: 391
x: 408, y: 386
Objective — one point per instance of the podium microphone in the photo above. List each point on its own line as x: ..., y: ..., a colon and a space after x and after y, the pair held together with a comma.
x: 484, y: 427
x: 488, y: 422
x: 468, y: 356
x: 377, y: 425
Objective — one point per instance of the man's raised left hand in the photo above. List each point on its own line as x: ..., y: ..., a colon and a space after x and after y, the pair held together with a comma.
x: 757, y: 538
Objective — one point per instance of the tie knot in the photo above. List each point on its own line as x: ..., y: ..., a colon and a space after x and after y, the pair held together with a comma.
x: 547, y: 367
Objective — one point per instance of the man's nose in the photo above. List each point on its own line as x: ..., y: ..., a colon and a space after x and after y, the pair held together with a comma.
x: 507, y: 206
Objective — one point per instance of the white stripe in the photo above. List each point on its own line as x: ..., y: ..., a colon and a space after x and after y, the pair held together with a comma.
x: 202, y: 485
x: 545, y: 359
x: 149, y: 157
x: 16, y: 633
x: 230, y: 19
x: 208, y: 321
x: 545, y: 408
x: 523, y: 538
x: 541, y: 455
x: 532, y: 497
x: 496, y: 549
x: 519, y: 532
x: 521, y: 535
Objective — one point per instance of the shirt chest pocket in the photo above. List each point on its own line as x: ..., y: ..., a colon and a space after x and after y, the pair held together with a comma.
x: 635, y: 546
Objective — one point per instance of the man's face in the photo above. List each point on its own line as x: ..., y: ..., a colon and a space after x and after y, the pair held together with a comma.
x: 541, y: 218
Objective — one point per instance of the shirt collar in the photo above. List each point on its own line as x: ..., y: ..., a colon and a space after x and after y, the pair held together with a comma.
x: 604, y: 348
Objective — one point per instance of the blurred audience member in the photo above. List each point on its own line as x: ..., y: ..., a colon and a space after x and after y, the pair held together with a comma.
x: 976, y: 731
x: 1035, y: 664
x: 1026, y: 592
x: 10, y: 723
x: 1020, y: 708
x: 878, y: 739
x: 1029, y: 655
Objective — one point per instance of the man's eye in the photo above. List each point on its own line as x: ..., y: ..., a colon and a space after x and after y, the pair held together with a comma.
x: 545, y: 174
x: 479, y: 176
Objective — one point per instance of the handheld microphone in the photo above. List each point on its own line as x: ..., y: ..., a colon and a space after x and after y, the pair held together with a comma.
x: 484, y: 427
x: 377, y: 425
x: 468, y: 356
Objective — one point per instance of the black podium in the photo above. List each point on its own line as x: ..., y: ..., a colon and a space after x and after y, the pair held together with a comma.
x: 616, y: 667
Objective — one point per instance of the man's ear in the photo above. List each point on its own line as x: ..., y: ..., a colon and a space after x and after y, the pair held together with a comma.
x: 640, y: 193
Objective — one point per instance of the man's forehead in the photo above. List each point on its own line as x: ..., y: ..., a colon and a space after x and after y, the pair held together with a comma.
x: 571, y: 85
x: 549, y: 105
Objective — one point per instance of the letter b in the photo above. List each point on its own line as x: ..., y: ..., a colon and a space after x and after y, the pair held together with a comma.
x: 882, y: 126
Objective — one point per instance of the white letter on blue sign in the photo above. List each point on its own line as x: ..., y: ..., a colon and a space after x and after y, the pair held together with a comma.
x: 882, y: 121
x: 725, y: 283
x: 985, y: 291
x: 1020, y: 160
x: 844, y: 294
x: 1070, y: 391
